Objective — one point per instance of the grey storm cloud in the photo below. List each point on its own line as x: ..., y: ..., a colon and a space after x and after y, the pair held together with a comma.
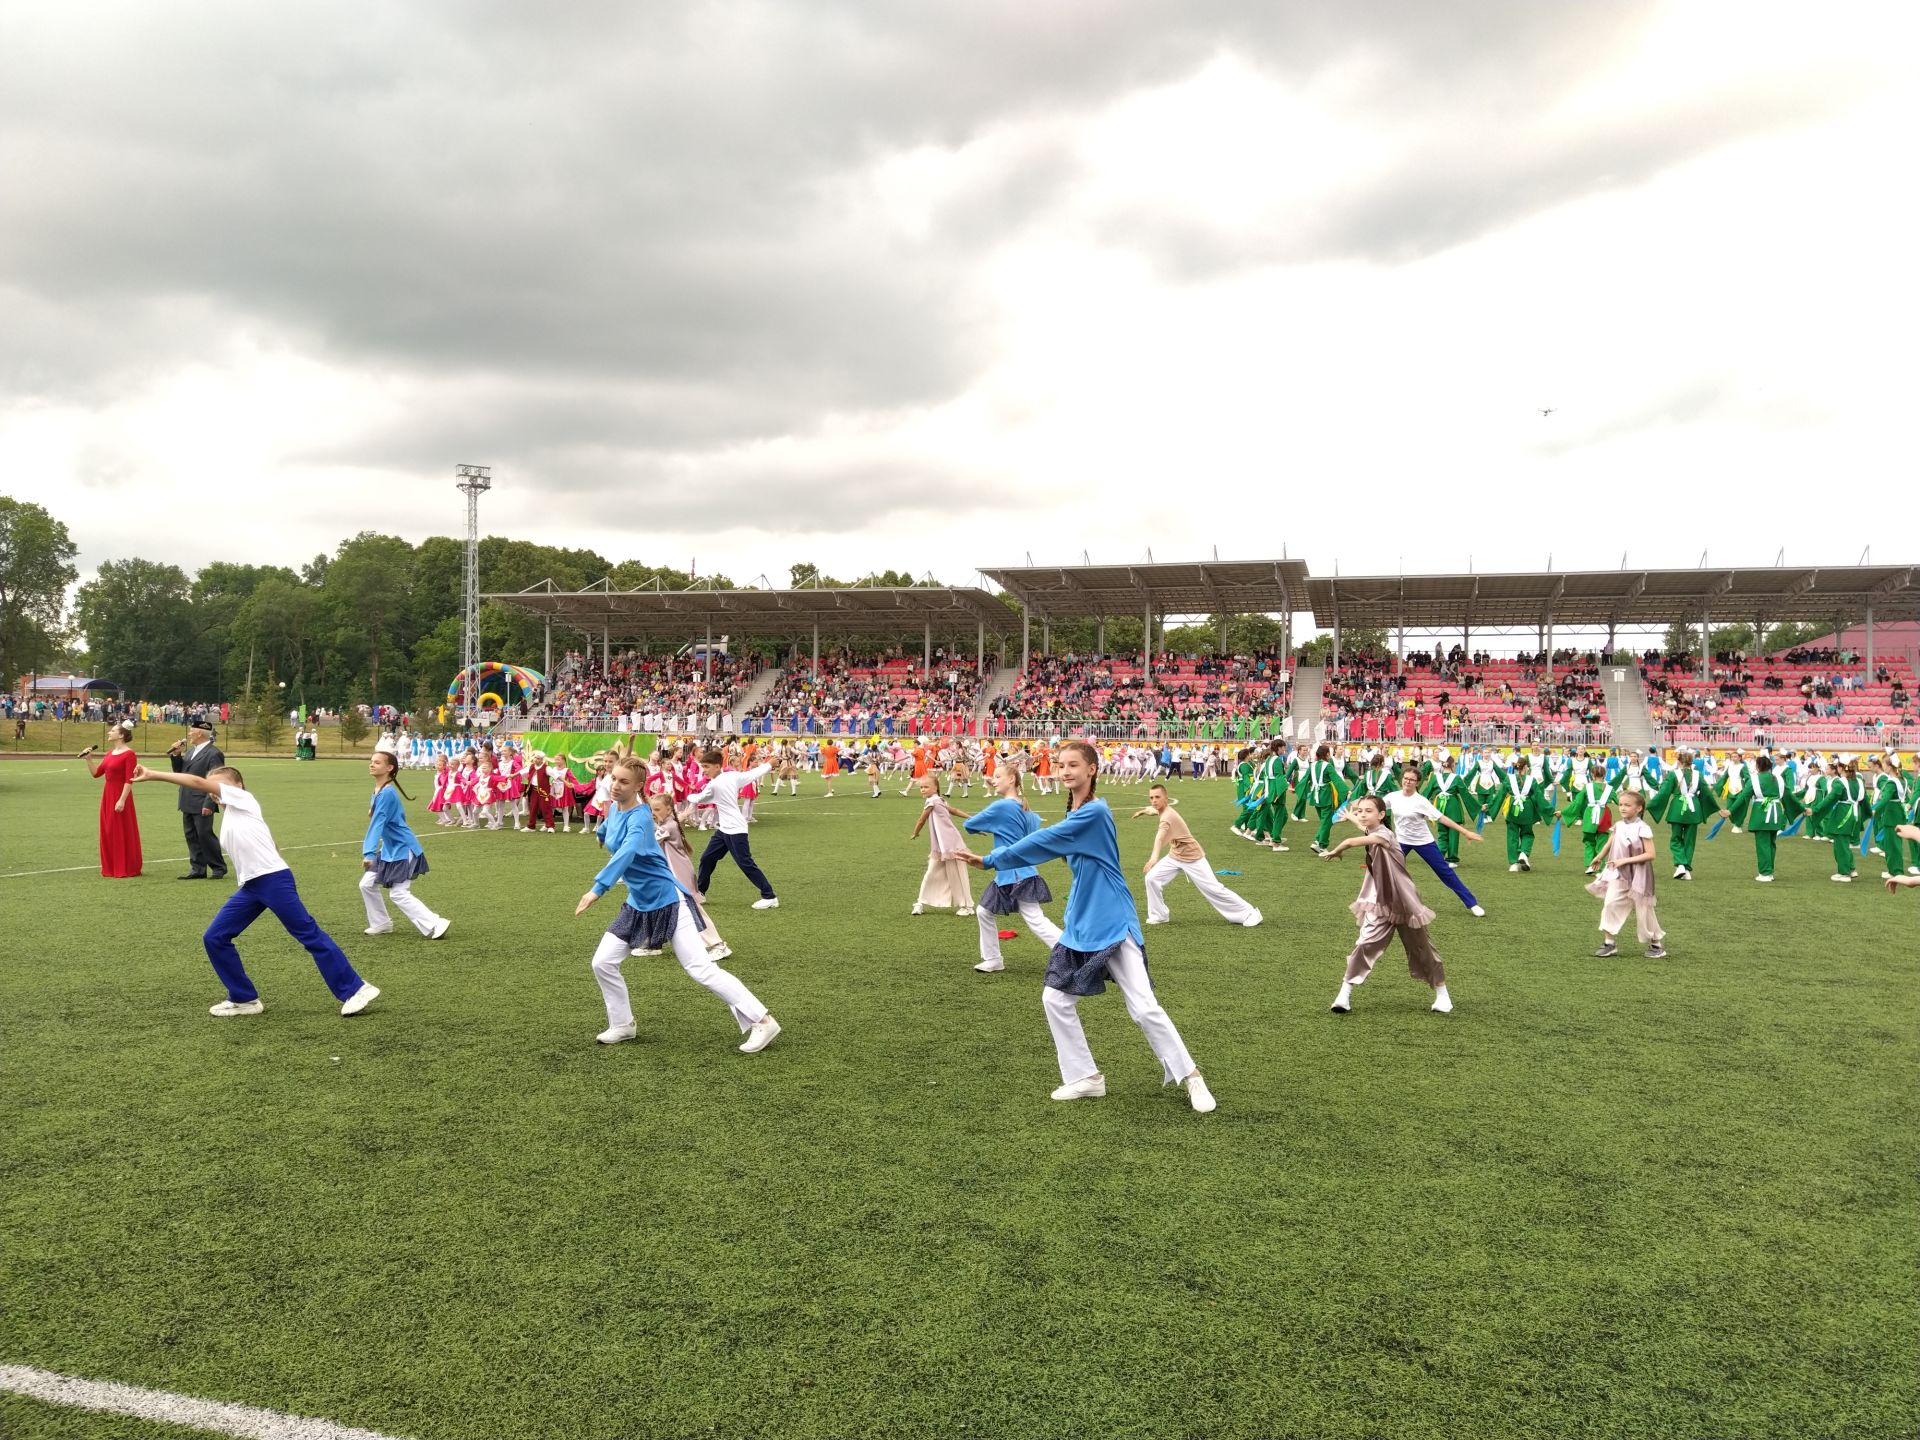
x: 601, y: 228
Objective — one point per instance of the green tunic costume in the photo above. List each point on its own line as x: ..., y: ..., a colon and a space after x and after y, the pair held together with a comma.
x: 1445, y: 790
x: 1527, y: 805
x: 1683, y: 801
x: 1587, y: 804
x: 1889, y: 810
x: 1768, y: 806
x: 1837, y: 816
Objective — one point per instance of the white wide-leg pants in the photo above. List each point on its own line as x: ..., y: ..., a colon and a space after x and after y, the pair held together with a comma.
x: 693, y: 959
x: 374, y: 897
x: 1129, y: 971
x: 1042, y: 929
x: 1231, y: 907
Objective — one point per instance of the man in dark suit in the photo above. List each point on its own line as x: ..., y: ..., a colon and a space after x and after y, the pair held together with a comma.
x: 198, y: 755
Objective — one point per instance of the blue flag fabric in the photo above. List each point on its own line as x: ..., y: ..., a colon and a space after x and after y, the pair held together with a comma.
x: 1556, y: 837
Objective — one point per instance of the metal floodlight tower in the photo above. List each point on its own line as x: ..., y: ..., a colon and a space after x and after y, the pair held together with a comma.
x: 473, y: 481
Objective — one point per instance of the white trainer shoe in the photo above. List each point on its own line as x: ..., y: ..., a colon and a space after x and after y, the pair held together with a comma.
x: 237, y: 1007
x: 1479, y: 912
x: 1442, y: 1002
x: 1841, y: 879
x: 1091, y: 1088
x: 1199, y: 1096
x: 768, y: 904
x: 614, y: 1034
x: 1252, y: 920
x: 1152, y: 921
x: 1525, y: 863
x: 643, y: 952
x: 967, y: 910
x: 439, y: 932
x: 918, y: 909
x: 360, y: 999
x: 760, y: 1036
x: 378, y: 930
x: 1343, y: 1002
x: 988, y: 967
x: 1513, y: 869
x: 722, y: 951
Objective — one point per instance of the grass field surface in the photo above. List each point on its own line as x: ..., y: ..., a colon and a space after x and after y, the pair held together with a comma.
x: 1603, y: 1198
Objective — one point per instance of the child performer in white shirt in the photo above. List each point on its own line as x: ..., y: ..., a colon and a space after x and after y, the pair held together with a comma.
x: 657, y: 914
x: 1388, y: 904
x: 1184, y: 854
x: 391, y: 857
x: 945, y: 882
x: 266, y: 883
x: 1627, y: 881
x: 1018, y: 890
x: 721, y: 793
x: 1413, y: 817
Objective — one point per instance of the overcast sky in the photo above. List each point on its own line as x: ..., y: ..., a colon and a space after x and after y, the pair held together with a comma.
x: 930, y: 285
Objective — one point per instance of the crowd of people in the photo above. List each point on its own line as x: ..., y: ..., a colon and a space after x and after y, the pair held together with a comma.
x: 631, y: 691
x: 868, y: 695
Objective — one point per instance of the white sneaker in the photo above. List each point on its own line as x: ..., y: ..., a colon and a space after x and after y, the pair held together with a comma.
x: 1343, y: 1002
x: 378, y: 930
x: 1199, y: 1096
x: 1764, y: 879
x: 1479, y: 912
x: 439, y: 932
x: 236, y: 1007
x: 643, y: 952
x: 1442, y: 1002
x: 968, y: 910
x: 761, y: 1035
x: 722, y: 951
x: 1842, y: 879
x: 771, y: 904
x: 360, y: 999
x: 1152, y: 921
x: 918, y: 909
x: 1280, y: 849
x: 614, y: 1034
x: 1513, y: 869
x: 1252, y: 920
x: 987, y: 967
x: 1091, y: 1088
x: 1525, y: 863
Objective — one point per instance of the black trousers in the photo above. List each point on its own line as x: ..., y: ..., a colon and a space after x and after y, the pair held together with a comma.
x: 203, y: 846
x: 719, y: 844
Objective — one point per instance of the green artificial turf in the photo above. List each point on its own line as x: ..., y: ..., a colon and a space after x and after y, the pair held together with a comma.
x: 1603, y: 1198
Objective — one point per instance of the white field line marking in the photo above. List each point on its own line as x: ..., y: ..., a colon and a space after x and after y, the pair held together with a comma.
x: 165, y: 1406
x: 434, y: 834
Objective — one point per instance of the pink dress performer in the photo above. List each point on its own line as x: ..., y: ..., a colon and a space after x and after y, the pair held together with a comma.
x: 442, y: 784
x: 945, y: 883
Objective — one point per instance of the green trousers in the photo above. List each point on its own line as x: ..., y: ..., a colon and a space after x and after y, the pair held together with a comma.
x: 1519, y: 841
x: 1763, y: 848
x: 1277, y: 820
x: 1681, y: 840
x: 1324, y: 835
x: 1896, y: 849
x: 1593, y: 842
x: 1449, y: 844
x: 1842, y: 855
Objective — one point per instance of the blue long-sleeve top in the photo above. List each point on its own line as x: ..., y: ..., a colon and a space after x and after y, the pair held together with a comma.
x: 1100, y: 908
x: 389, y: 837
x: 636, y: 860
x: 1008, y: 821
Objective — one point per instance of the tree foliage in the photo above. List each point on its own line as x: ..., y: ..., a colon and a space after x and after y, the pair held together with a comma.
x: 36, y: 567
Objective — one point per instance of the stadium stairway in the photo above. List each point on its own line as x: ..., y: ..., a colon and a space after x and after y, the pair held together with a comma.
x: 1002, y: 683
x: 1627, y: 713
x: 1309, y: 689
x: 757, y: 692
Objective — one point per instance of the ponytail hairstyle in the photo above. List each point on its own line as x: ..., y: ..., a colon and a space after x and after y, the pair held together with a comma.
x: 392, y: 776
x: 1092, y: 757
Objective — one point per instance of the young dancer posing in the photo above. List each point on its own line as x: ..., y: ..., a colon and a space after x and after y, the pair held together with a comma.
x: 1766, y: 805
x: 266, y: 883
x: 1627, y: 882
x: 1889, y: 814
x: 1019, y: 890
x: 829, y: 767
x: 560, y: 779
x: 873, y: 772
x: 1588, y: 801
x: 1526, y: 805
x: 1683, y: 799
x: 1838, y: 818
x: 1324, y: 787
x: 1388, y: 904
x: 514, y: 769
x: 442, y: 803
x: 945, y: 883
x: 722, y: 792
x: 1446, y: 788
x: 1412, y: 813
x: 391, y: 857
x: 1101, y: 937
x: 1184, y: 855
x: 657, y: 914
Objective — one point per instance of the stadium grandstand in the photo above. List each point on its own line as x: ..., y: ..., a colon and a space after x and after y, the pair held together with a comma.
x: 1447, y: 658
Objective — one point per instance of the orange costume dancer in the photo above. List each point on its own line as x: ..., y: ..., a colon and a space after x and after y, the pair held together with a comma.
x: 829, y: 766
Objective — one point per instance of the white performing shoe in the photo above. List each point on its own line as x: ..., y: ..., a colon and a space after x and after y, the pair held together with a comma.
x: 360, y: 999
x: 1152, y: 921
x: 989, y: 967
x: 236, y: 1007
x: 1199, y: 1096
x: 1252, y: 920
x: 1343, y: 1002
x: 1513, y: 869
x: 1091, y: 1088
x: 767, y: 904
x: 439, y: 932
x: 1442, y: 1002
x: 1841, y: 879
x: 643, y: 952
x: 378, y: 930
x: 614, y: 1034
x: 918, y: 909
x: 761, y: 1035
x: 1479, y: 912
x: 1525, y: 863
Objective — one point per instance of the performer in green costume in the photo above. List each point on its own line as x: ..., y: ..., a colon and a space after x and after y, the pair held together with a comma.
x: 1445, y: 789
x: 1838, y: 818
x: 1889, y: 814
x: 1768, y: 806
x: 1326, y: 789
x: 1587, y: 803
x: 1528, y: 804
x: 1682, y: 801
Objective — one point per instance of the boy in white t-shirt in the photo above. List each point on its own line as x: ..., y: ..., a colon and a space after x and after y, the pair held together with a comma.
x: 265, y: 884
x: 1413, y: 815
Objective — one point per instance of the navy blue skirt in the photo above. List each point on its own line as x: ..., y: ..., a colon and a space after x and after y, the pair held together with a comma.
x: 651, y: 929
x: 998, y: 899
x: 388, y: 873
x: 1084, y: 972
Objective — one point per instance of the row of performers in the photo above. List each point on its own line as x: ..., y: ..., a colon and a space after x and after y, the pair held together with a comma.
x: 1842, y: 799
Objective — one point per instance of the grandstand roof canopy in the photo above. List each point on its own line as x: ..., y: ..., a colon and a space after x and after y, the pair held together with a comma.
x: 1598, y: 598
x: 635, y: 614
x: 1200, y: 587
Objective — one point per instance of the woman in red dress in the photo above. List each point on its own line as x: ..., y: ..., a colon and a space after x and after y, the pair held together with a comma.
x: 119, y: 825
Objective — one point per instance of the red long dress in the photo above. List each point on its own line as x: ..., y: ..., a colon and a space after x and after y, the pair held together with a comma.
x: 119, y: 831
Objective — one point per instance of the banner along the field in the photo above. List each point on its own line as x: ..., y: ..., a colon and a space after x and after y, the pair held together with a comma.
x: 577, y: 744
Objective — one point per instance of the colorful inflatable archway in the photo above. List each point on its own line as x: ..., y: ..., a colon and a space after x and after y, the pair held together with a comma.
x: 500, y: 673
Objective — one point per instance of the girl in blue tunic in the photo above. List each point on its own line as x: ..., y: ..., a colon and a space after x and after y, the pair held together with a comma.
x: 1018, y: 891
x: 658, y: 913
x: 1102, y: 936
x: 390, y: 856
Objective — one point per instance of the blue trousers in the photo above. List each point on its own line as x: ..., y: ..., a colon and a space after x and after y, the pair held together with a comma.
x: 1436, y: 862
x: 720, y: 844
x: 275, y: 892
